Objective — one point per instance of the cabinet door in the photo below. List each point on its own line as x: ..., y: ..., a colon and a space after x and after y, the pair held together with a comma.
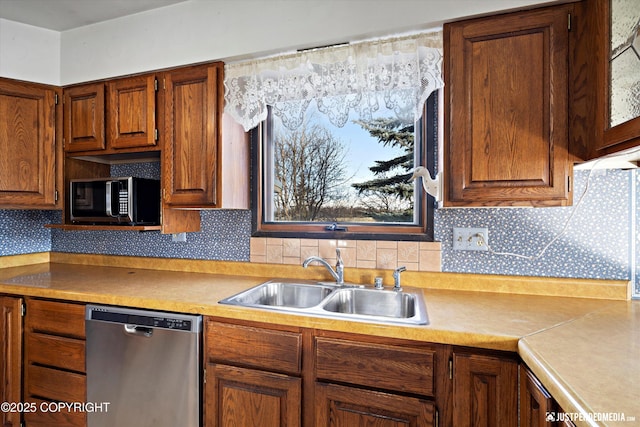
x: 339, y: 406
x: 132, y: 112
x: 485, y: 391
x: 84, y: 118
x: 27, y: 145
x: 536, y: 405
x: 11, y: 358
x: 247, y: 398
x: 191, y: 152
x: 506, y: 130
x: 54, y: 361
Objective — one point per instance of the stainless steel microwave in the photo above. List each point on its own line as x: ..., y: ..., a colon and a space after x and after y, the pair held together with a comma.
x: 123, y: 200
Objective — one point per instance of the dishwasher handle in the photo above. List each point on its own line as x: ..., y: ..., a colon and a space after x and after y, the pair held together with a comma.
x: 140, y: 331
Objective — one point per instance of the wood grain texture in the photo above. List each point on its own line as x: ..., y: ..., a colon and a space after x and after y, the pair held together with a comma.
x: 11, y: 357
x: 506, y: 126
x: 131, y: 112
x: 29, y: 161
x: 246, y: 398
x: 394, y: 368
x: 339, y: 406
x: 485, y: 391
x: 84, y: 117
x: 535, y: 401
x: 55, y: 318
x: 193, y: 102
x: 274, y: 350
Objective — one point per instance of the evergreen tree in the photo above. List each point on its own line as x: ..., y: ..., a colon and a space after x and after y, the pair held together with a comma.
x: 392, y: 175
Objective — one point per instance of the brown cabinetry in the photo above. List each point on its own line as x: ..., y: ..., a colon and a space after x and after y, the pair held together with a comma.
x: 368, y: 383
x: 536, y: 404
x: 131, y: 113
x: 592, y: 133
x: 537, y: 407
x: 84, y: 115
x: 30, y: 155
x: 54, y: 361
x: 340, y: 406
x: 506, y: 120
x: 11, y: 357
x: 253, y: 376
x: 172, y: 116
x: 109, y: 117
x: 485, y: 390
x: 193, y: 102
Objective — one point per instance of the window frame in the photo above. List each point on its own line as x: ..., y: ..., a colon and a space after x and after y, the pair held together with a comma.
x: 423, y: 231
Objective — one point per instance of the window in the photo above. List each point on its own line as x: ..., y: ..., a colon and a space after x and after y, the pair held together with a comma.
x: 316, y: 181
x: 323, y: 119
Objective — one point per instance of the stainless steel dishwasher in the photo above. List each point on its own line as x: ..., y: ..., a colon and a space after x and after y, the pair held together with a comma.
x: 146, y: 365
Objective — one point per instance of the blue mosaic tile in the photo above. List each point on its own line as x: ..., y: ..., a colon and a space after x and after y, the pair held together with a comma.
x: 600, y: 242
x: 23, y: 231
x: 224, y: 235
x: 596, y: 243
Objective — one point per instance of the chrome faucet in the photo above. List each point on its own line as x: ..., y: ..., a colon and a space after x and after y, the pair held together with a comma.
x: 396, y: 278
x: 338, y: 273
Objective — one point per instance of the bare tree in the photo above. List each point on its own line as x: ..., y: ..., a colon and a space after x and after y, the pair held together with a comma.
x: 308, y: 171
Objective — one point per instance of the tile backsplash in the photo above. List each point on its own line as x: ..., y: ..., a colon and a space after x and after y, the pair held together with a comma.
x: 600, y: 240
x: 418, y: 256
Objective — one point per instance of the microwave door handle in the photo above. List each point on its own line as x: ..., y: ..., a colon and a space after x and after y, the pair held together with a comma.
x: 108, y: 196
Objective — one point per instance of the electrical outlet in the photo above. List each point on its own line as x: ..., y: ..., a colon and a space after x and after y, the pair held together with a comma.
x: 179, y: 237
x: 470, y: 239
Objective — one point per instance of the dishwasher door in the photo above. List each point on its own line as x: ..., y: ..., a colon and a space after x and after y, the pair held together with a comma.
x: 145, y: 365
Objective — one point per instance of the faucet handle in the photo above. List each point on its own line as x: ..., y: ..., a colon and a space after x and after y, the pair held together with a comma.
x: 338, y: 256
x: 396, y: 278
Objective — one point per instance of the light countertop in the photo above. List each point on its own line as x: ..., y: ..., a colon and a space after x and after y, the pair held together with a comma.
x: 585, y: 351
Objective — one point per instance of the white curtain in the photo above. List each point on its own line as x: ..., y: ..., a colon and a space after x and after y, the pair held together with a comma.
x: 402, y: 72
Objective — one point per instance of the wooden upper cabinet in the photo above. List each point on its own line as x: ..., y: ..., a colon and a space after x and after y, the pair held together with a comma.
x: 193, y: 101
x: 29, y: 155
x: 506, y: 80
x: 593, y: 132
x: 131, y: 114
x: 84, y: 109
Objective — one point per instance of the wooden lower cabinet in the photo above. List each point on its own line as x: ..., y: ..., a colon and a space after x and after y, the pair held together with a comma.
x: 242, y: 397
x: 537, y: 407
x: 54, y: 362
x: 263, y: 375
x: 10, y: 357
x: 253, y: 375
x: 536, y: 404
x: 340, y: 406
x: 485, y: 390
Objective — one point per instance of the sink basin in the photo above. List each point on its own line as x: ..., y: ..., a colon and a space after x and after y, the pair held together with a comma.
x: 282, y: 294
x: 373, y: 302
x: 329, y: 300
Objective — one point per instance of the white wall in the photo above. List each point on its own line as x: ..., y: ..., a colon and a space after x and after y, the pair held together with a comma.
x: 203, y: 30
x: 29, y: 53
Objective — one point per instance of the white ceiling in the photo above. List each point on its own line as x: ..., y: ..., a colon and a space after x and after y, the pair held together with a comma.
x: 61, y: 15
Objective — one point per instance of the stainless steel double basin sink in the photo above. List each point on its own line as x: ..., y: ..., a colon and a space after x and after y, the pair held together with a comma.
x: 350, y: 302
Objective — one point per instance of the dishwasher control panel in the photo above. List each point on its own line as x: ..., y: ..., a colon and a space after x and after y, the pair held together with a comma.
x: 148, y: 319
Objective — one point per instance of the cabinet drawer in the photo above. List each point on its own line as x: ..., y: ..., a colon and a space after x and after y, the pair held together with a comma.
x: 388, y: 367
x: 48, y: 418
x: 59, y: 352
x: 56, y: 385
x: 56, y: 318
x: 255, y: 347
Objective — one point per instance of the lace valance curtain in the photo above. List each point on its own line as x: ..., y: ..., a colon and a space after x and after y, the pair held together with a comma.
x: 400, y: 72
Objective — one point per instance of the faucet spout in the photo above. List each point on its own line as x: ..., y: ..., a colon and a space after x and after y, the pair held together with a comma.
x: 338, y: 273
